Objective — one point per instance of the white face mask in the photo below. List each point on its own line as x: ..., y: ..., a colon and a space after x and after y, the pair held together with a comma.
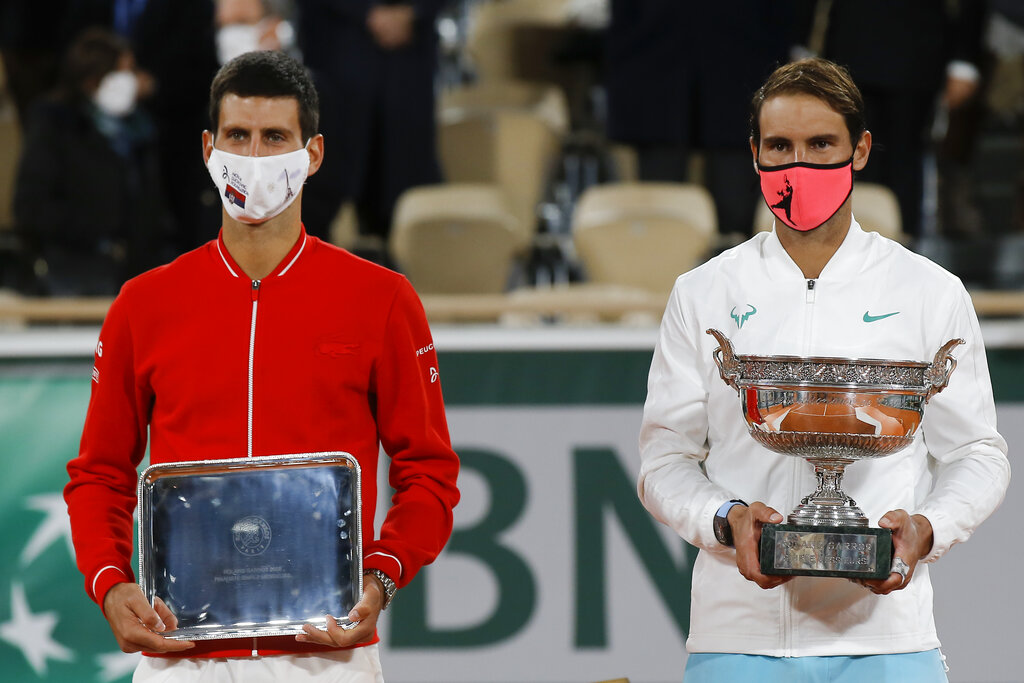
x: 237, y: 39
x: 255, y: 189
x: 117, y: 92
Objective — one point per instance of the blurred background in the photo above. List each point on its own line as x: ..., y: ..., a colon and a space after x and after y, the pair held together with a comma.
x: 541, y: 171
x: 596, y: 148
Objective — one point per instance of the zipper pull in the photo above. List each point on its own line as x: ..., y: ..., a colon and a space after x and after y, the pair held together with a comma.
x: 255, y: 290
x: 810, y: 291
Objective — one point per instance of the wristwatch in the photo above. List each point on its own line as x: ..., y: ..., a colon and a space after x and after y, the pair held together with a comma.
x: 723, y: 532
x: 389, y: 586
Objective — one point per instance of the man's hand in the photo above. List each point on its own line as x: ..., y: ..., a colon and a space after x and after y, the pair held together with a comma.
x: 911, y: 540
x: 391, y: 25
x: 746, y: 523
x: 363, y: 617
x: 136, y: 624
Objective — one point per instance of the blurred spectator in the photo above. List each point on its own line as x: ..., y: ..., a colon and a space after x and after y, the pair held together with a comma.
x: 34, y: 36
x: 904, y: 55
x: 87, y: 200
x: 174, y: 41
x: 250, y: 25
x: 680, y: 78
x: 961, y: 124
x: 374, y: 64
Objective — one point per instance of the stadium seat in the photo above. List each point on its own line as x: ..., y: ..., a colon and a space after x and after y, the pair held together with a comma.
x: 643, y: 235
x: 458, y: 238
x: 496, y: 42
x: 514, y: 150
x: 874, y: 206
x: 547, y: 102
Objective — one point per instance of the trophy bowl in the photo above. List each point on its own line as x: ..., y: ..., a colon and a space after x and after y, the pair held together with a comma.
x: 832, y: 412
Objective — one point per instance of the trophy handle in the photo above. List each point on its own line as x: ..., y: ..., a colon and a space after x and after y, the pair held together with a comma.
x: 725, y: 359
x: 937, y: 375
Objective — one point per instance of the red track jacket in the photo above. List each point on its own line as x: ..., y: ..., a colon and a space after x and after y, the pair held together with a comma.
x: 328, y: 352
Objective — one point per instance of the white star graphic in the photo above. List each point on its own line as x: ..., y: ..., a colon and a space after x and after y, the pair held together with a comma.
x: 115, y: 665
x: 54, y: 525
x: 32, y: 633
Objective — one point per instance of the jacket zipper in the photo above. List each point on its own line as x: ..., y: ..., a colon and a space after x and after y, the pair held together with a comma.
x: 809, y: 296
x: 788, y: 597
x: 252, y: 347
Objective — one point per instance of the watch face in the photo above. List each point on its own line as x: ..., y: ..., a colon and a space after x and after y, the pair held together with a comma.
x: 722, y: 530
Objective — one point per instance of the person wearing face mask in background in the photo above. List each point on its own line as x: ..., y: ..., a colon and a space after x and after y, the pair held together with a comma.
x: 266, y: 340
x: 88, y: 200
x: 250, y: 25
x: 817, y: 285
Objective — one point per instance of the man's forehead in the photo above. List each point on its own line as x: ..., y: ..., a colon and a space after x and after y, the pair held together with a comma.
x: 259, y: 111
x: 799, y: 112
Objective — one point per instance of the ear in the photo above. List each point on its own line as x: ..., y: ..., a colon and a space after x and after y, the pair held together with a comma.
x: 207, y: 146
x: 753, y: 152
x: 316, y: 153
x: 862, y: 151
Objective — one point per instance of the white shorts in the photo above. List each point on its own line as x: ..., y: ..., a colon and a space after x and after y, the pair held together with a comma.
x: 358, y: 665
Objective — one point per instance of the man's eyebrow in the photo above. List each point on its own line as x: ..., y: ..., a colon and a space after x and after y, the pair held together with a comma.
x: 774, y: 139
x: 283, y: 132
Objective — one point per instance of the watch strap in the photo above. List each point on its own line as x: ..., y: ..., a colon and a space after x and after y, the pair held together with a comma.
x: 723, y: 531
x: 390, y: 588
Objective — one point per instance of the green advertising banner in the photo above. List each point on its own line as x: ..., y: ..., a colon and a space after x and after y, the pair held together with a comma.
x: 562, y: 564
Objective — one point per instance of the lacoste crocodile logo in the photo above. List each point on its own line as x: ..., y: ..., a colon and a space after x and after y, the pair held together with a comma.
x: 740, y: 319
x: 868, y: 318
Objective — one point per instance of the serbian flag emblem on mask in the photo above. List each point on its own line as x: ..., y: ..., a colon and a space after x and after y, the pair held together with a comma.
x: 235, y: 197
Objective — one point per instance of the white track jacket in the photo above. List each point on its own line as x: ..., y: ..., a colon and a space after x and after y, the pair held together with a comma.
x: 874, y: 299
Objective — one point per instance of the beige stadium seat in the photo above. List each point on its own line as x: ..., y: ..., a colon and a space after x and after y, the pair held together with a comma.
x: 643, y: 235
x: 547, y: 102
x: 497, y: 45
x: 451, y: 239
x: 874, y: 206
x: 514, y: 150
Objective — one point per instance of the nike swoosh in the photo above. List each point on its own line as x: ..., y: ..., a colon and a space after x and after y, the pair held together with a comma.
x: 868, y: 318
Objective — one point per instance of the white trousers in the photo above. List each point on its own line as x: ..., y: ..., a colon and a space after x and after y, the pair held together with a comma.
x: 358, y: 665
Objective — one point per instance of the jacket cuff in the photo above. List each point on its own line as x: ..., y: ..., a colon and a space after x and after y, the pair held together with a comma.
x: 105, y: 579
x: 943, y: 533
x: 386, y: 562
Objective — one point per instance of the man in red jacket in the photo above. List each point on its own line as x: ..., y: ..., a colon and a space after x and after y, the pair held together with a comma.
x: 264, y: 341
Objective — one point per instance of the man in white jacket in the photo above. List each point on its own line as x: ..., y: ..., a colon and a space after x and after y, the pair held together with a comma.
x: 817, y: 285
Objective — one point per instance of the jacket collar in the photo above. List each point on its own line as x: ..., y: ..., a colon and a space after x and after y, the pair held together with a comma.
x: 849, y: 258
x: 291, y: 258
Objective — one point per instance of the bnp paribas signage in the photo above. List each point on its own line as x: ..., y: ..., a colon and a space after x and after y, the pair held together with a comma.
x: 552, y: 558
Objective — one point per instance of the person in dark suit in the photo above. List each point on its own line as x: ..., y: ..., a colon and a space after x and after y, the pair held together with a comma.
x: 680, y: 75
x: 87, y: 200
x: 904, y: 54
x: 374, y: 63
x: 174, y: 41
x: 33, y: 38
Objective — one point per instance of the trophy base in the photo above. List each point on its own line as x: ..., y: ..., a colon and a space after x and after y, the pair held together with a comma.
x: 843, y: 551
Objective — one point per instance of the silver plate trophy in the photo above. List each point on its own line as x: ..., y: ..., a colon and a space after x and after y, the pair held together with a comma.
x: 252, y: 547
x: 831, y: 412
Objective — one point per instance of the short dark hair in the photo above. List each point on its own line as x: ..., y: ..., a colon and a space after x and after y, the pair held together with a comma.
x: 829, y: 82
x: 94, y: 53
x: 267, y: 73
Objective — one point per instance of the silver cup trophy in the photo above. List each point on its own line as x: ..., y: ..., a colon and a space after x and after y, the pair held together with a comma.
x: 831, y: 412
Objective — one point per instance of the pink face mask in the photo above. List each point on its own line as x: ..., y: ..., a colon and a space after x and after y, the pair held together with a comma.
x: 804, y: 196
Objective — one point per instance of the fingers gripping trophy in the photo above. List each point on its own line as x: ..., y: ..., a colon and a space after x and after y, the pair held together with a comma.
x: 831, y: 412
